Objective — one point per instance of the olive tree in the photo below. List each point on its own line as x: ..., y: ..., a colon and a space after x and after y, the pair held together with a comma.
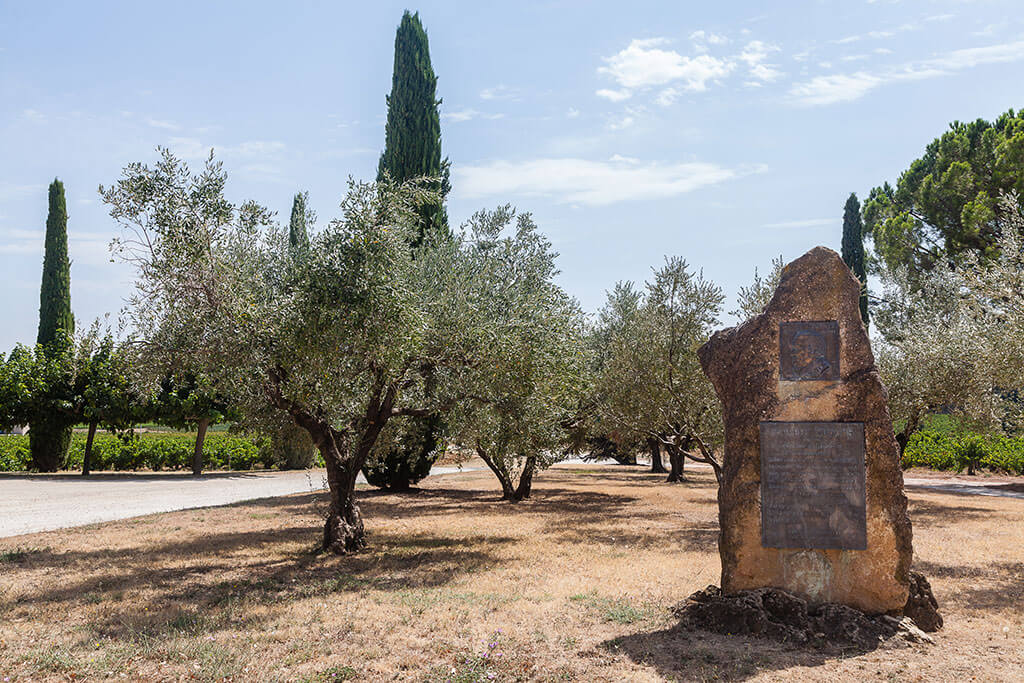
x: 335, y: 341
x: 527, y: 375
x: 751, y: 301
x: 933, y: 353
x: 652, y: 385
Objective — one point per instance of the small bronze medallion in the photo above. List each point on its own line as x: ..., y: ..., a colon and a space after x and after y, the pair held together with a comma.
x: 809, y: 350
x: 813, y: 485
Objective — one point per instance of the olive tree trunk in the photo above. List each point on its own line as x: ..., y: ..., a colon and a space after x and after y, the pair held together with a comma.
x: 509, y: 490
x: 197, y: 454
x: 87, y: 456
x: 657, y: 467
x: 676, y: 460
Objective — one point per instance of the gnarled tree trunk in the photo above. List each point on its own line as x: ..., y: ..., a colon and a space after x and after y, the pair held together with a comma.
x: 343, y: 530
x: 509, y: 491
x: 657, y: 467
x: 676, y: 460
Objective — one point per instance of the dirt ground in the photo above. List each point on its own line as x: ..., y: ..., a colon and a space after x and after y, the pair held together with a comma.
x: 574, y: 584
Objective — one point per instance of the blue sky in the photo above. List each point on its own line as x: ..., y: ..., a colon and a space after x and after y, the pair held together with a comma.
x: 725, y: 132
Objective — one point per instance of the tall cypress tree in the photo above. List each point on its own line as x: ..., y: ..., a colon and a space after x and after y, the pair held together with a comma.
x: 853, y: 249
x: 298, y: 234
x: 412, y: 149
x: 412, y: 138
x: 50, y: 435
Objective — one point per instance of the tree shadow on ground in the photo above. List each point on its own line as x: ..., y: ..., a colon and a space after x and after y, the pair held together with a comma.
x: 680, y: 653
x: 994, y: 586
x: 933, y: 513
x: 202, y: 571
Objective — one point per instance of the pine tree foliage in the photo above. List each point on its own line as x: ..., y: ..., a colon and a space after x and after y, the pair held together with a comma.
x: 853, y: 249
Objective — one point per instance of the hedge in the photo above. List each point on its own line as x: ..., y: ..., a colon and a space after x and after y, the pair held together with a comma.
x: 946, y: 450
x: 153, y: 451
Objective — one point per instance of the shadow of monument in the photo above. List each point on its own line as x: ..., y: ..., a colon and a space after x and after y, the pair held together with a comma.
x: 680, y: 653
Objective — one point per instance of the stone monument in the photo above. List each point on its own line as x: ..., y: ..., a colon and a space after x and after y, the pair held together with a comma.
x: 812, y: 497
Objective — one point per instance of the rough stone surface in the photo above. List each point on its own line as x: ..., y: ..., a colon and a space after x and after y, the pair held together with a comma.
x: 743, y: 364
x: 778, y: 615
x: 922, y: 606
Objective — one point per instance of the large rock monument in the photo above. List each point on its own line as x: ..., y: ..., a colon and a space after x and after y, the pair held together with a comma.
x: 812, y: 497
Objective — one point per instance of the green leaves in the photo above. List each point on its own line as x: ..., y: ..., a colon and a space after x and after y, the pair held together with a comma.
x: 946, y: 203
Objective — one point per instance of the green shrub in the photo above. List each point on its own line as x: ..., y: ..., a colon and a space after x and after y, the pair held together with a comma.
x: 155, y: 451
x: 951, y: 451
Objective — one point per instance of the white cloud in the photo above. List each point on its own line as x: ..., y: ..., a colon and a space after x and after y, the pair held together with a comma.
x: 622, y: 122
x: 668, y: 96
x: 834, y: 88
x: 708, y: 37
x: 572, y: 113
x: 166, y: 125
x: 754, y: 55
x: 468, y: 115
x: 594, y: 183
x: 33, y: 115
x: 643, y: 64
x: 500, y: 92
x: 614, y: 95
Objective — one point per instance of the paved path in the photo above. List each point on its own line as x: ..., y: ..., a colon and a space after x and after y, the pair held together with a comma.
x: 31, y: 503
x: 975, y: 488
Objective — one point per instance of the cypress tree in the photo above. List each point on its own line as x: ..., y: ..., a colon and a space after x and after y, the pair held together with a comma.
x: 298, y: 235
x: 412, y: 149
x: 853, y: 249
x: 293, y: 449
x: 412, y: 135
x: 50, y: 435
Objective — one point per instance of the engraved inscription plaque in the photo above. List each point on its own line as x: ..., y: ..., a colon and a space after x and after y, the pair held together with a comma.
x: 812, y: 485
x: 809, y: 350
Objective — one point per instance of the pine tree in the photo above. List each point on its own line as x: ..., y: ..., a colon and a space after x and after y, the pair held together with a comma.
x: 298, y: 234
x: 853, y: 249
x: 412, y: 141
x: 50, y: 435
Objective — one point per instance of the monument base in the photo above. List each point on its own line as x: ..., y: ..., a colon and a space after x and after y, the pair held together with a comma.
x: 776, y: 614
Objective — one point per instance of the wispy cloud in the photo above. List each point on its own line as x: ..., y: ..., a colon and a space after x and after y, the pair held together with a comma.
x: 595, y: 183
x: 166, y: 125
x: 833, y: 88
x: 614, y: 95
x: 468, y: 115
x: 501, y: 92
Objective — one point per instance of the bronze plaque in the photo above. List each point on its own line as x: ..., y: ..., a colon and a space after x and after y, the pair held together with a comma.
x: 812, y: 485
x: 809, y: 350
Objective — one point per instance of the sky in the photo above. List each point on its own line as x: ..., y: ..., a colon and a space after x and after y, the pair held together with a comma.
x: 727, y: 133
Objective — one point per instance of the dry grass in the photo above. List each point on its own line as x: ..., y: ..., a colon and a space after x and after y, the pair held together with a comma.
x: 575, y: 584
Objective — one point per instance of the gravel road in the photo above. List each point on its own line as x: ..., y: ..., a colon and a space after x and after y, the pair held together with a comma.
x: 31, y: 503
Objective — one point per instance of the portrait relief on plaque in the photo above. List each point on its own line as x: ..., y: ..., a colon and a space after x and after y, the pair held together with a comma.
x: 813, y: 485
x: 809, y: 350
